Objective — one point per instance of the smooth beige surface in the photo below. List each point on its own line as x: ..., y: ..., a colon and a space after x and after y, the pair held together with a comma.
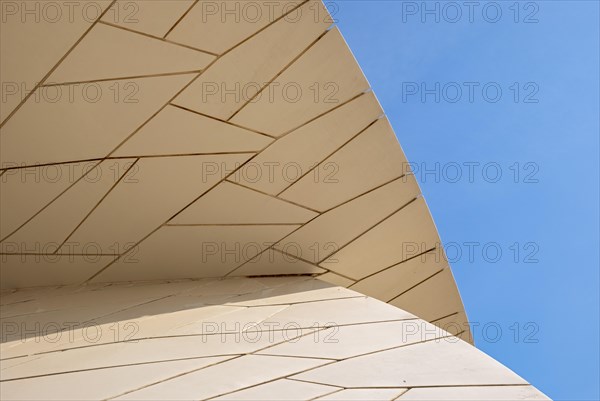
x: 24, y: 192
x: 454, y: 363
x: 419, y: 299
x: 361, y: 394
x: 217, y: 26
x: 294, y: 155
x: 280, y: 390
x: 41, y: 270
x: 82, y: 125
x: 193, y: 251
x: 105, y: 52
x: 176, y: 131
x: 229, y: 203
x: 399, y: 278
x: 155, y: 17
x: 129, y: 213
x: 405, y: 234
x: 328, y: 67
x: 330, y: 231
x: 234, y: 338
x: 491, y: 393
x: 46, y: 232
x: 32, y: 45
x: 234, y: 79
x: 371, y: 159
x: 273, y: 262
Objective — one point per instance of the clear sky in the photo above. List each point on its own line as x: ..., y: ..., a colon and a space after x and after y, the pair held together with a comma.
x: 541, y: 134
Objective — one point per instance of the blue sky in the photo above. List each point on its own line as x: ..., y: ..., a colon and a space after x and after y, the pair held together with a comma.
x: 542, y: 212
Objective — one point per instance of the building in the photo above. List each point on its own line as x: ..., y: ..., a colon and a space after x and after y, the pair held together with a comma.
x: 203, y: 199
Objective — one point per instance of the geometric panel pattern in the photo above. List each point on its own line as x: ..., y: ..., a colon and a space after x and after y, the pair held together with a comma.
x: 164, y: 140
x: 268, y: 338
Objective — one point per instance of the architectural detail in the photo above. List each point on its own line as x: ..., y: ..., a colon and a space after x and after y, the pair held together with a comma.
x: 189, y: 182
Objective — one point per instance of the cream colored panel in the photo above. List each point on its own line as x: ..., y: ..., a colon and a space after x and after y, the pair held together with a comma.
x: 456, y: 324
x: 86, y: 122
x: 324, y: 77
x: 283, y: 162
x: 46, y: 231
x: 176, y: 131
x: 156, y: 189
x: 350, y: 341
x: 273, y: 262
x: 397, y: 279
x: 229, y: 203
x: 108, y: 52
x: 420, y: 302
x: 216, y: 26
x: 472, y: 393
x: 371, y: 159
x: 236, y: 77
x: 216, y: 380
x: 361, y: 394
x: 434, y: 363
x: 24, y: 192
x: 154, y: 17
x: 297, y: 291
x: 336, y: 312
x: 101, y: 383
x: 193, y: 252
x: 40, y: 270
x: 139, y: 351
x: 325, y: 235
x: 405, y: 234
x: 336, y: 279
x: 280, y: 390
x: 34, y: 37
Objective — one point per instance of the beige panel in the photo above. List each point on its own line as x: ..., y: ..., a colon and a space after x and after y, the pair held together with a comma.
x: 156, y: 189
x: 405, y: 234
x: 24, y: 192
x: 225, y: 86
x: 229, y: 203
x: 336, y: 312
x: 280, y: 390
x: 456, y: 324
x: 40, y: 270
x: 92, y: 384
x: 455, y: 363
x: 106, y: 52
x: 194, y: 321
x: 327, y: 233
x: 371, y: 159
x: 32, y: 43
x: 217, y: 26
x: 192, y: 252
x: 273, y: 262
x: 217, y: 380
x: 297, y: 291
x: 391, y: 282
x: 47, y: 231
x: 361, y: 394
x: 154, y: 17
x: 176, y: 131
x: 350, y: 341
x: 283, y: 162
x: 473, y: 393
x: 83, y: 125
x: 336, y: 279
x: 324, y: 77
x: 419, y: 300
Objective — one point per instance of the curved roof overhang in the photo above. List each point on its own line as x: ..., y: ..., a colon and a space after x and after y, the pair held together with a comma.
x: 166, y: 149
